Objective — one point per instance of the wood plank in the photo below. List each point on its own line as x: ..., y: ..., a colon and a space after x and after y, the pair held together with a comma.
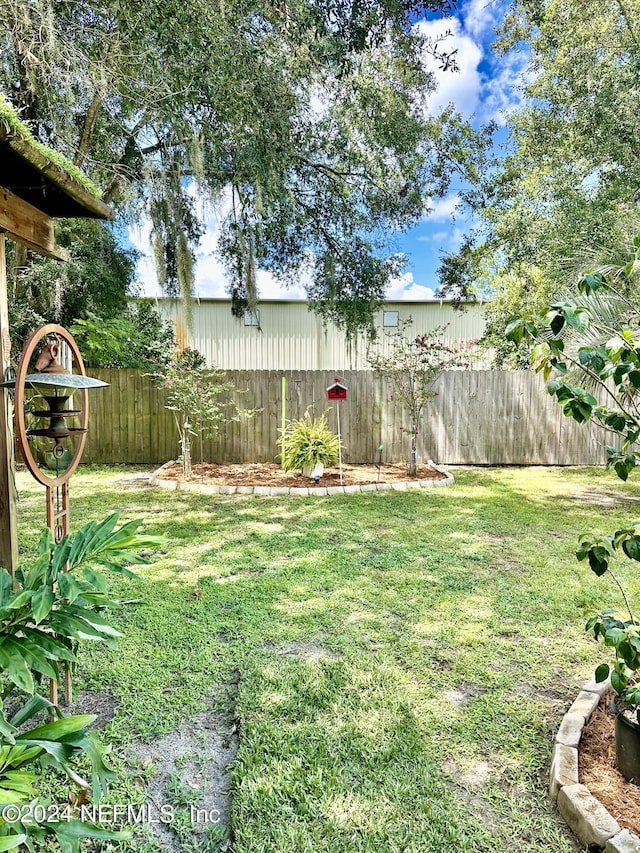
x: 29, y: 226
x: 479, y: 417
x: 8, y: 497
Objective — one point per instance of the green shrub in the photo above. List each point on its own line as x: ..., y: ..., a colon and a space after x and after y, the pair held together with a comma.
x: 308, y: 442
x: 44, y: 615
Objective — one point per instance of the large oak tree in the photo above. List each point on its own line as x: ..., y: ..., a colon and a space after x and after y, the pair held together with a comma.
x: 309, y: 118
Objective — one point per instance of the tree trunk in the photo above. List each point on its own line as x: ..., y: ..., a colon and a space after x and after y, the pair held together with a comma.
x: 413, y: 458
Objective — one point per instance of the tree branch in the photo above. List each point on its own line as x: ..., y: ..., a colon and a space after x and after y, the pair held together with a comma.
x: 88, y: 126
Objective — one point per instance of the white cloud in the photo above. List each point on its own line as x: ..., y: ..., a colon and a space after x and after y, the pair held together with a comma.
x: 442, y: 209
x: 490, y: 93
x: 480, y: 17
x: 462, y: 88
x: 504, y: 89
x: 404, y: 289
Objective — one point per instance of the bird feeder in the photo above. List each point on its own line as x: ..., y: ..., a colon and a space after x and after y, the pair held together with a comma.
x: 37, y: 186
x: 52, y: 386
x: 338, y: 391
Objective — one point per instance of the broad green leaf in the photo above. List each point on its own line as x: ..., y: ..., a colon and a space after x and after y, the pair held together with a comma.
x: 15, y: 668
x: 70, y: 833
x: 18, y: 649
x: 591, y: 282
x: 618, y: 682
x: 60, y: 555
x: 19, y: 600
x: 11, y: 842
x: 6, y: 587
x: 33, y: 706
x: 602, y: 673
x: 557, y: 323
x: 42, y: 602
x: 98, y: 580
x: 68, y: 586
x: 51, y: 647
x: 598, y: 560
x: 80, y: 543
x: 46, y: 543
x: 59, y: 728
x: 614, y: 637
x: 70, y: 626
x: 18, y: 781
x: 631, y: 548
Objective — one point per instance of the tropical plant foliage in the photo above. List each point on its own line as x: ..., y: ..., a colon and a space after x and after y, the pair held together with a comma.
x: 45, y: 614
x: 308, y: 442
x: 593, y: 370
x: 307, y: 120
x: 413, y: 363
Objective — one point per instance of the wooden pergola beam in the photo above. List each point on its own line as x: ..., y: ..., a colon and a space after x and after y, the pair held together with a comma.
x: 27, y: 225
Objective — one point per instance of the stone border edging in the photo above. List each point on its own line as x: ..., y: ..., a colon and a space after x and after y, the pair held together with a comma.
x: 585, y: 815
x: 175, y: 485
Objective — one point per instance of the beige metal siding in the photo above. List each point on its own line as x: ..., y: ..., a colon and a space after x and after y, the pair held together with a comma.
x: 290, y: 337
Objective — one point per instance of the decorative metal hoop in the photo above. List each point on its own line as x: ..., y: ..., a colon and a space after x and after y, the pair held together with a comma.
x: 21, y: 429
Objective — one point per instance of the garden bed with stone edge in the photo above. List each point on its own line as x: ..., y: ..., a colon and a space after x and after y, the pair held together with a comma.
x: 601, y: 808
x: 270, y: 479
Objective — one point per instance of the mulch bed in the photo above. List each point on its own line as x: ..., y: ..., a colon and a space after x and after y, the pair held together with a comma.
x: 270, y: 474
x: 597, y: 769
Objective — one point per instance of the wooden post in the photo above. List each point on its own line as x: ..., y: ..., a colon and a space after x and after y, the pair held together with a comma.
x: 8, y: 497
x: 283, y: 415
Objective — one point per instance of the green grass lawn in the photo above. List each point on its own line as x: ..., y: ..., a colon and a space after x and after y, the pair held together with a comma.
x: 397, y: 663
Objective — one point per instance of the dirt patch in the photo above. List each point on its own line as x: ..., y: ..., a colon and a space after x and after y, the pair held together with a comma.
x: 137, y: 481
x: 189, y: 772
x: 463, y: 694
x: 597, y: 767
x: 103, y: 705
x: 605, y: 498
x: 309, y: 651
x: 270, y: 474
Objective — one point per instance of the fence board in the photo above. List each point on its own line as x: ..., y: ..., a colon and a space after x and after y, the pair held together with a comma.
x: 479, y: 417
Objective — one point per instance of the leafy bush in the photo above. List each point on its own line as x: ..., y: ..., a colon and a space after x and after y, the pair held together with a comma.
x: 44, y: 615
x: 308, y: 442
x: 194, y: 394
x: 137, y: 339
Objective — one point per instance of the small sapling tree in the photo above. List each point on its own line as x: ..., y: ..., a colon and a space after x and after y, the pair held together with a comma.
x: 413, y: 363
x: 195, y: 396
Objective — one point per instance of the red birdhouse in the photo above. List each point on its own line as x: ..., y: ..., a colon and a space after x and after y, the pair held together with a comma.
x: 337, y: 391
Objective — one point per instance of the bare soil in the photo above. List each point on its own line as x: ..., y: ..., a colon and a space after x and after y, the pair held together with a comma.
x: 270, y: 474
x: 597, y: 769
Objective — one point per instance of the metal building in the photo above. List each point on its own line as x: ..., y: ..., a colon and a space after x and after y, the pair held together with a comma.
x: 285, y: 335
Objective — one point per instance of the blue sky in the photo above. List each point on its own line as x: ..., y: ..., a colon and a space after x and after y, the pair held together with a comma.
x: 486, y: 88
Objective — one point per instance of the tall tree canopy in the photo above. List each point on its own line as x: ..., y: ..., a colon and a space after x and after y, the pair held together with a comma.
x: 309, y: 117
x: 568, y: 189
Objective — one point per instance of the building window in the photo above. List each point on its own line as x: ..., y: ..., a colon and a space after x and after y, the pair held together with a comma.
x: 252, y: 318
x: 390, y: 318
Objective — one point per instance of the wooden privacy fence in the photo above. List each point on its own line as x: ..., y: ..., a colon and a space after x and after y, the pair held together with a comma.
x: 480, y: 417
